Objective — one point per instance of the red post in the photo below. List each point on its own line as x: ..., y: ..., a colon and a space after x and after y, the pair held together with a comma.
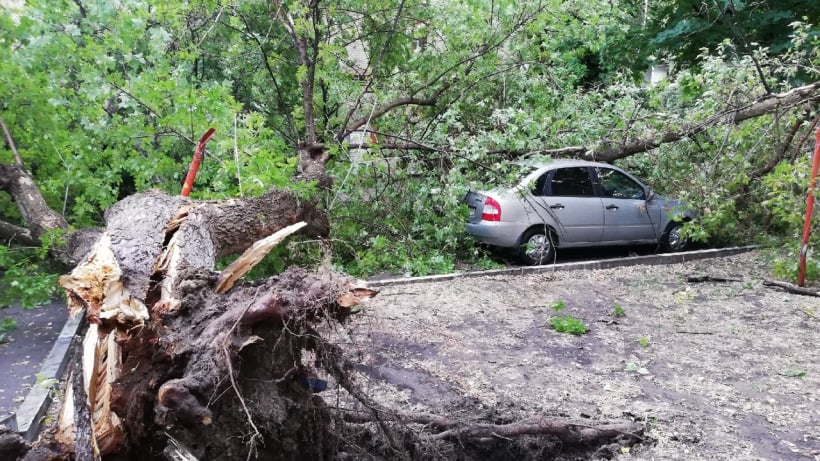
x: 801, y: 278
x: 200, y: 148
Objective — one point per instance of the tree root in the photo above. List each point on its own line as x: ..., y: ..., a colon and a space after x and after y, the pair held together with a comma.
x: 437, y: 428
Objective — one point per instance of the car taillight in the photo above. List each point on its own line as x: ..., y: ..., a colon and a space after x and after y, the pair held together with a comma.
x: 492, y: 210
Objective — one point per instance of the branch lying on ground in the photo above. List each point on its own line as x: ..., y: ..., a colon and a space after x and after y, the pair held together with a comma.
x: 572, y: 432
x: 710, y: 278
x: 794, y: 289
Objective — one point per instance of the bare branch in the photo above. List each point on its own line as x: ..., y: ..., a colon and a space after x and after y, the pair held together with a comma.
x: 406, y: 101
x: 10, y: 143
x: 783, y: 147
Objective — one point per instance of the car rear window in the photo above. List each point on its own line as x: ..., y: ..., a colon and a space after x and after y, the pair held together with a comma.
x: 504, y: 175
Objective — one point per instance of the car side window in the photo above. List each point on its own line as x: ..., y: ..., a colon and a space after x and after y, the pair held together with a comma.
x: 615, y: 184
x: 538, y: 187
x: 571, y: 182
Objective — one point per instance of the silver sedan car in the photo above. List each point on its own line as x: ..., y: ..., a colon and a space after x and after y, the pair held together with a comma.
x: 574, y: 203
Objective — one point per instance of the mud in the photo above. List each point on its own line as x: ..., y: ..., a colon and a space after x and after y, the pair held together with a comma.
x: 719, y: 371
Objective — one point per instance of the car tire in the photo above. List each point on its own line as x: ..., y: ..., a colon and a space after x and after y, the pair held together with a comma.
x: 537, y: 247
x: 672, y: 240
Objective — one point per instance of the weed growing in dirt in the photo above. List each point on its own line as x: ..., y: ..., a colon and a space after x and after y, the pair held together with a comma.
x: 618, y: 311
x: 558, y: 306
x: 799, y: 374
x: 644, y: 341
x: 636, y: 368
x: 810, y: 311
x: 568, y: 324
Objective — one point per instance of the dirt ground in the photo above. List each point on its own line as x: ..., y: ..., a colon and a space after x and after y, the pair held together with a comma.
x: 720, y: 371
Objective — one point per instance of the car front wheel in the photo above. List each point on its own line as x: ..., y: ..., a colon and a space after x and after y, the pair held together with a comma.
x: 672, y: 239
x: 536, y: 247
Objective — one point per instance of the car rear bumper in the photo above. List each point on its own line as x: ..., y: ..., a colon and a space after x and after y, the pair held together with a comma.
x: 501, y: 234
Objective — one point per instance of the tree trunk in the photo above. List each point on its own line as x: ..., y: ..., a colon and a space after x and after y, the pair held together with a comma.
x: 170, y: 362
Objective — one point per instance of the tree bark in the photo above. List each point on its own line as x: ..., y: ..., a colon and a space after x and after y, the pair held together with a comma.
x: 33, y: 208
x: 172, y: 361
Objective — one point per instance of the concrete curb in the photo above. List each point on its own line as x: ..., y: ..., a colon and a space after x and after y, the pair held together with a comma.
x: 28, y: 417
x: 649, y: 260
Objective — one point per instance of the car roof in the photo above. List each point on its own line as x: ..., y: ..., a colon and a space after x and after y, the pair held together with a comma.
x: 560, y: 162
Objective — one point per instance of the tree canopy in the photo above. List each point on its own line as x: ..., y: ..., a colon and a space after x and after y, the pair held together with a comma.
x: 386, y: 111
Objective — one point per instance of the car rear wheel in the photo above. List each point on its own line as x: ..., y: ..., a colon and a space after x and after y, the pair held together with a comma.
x: 672, y: 239
x: 536, y: 247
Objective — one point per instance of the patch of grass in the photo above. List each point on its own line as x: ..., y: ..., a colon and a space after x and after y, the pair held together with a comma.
x: 618, y: 311
x: 636, y: 368
x: 6, y: 325
x: 558, y: 306
x: 684, y: 295
x: 799, y: 374
x: 644, y: 341
x: 568, y: 324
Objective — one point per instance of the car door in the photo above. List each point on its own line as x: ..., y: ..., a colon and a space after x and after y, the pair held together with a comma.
x: 626, y: 217
x: 568, y: 197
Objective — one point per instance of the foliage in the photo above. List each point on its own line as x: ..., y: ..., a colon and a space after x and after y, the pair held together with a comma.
x: 568, y: 324
x: 26, y: 278
x: 385, y: 220
x: 105, y: 99
x: 6, y: 324
x: 788, y: 268
x: 681, y: 29
x: 558, y: 306
x: 618, y: 311
x: 638, y: 368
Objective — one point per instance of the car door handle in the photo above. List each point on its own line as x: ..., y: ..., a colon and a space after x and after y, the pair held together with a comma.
x: 612, y: 207
x: 557, y: 206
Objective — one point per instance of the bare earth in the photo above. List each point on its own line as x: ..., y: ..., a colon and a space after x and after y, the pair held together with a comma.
x: 724, y: 371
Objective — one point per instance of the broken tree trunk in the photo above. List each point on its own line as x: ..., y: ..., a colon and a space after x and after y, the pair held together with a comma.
x: 183, y: 362
x: 173, y: 358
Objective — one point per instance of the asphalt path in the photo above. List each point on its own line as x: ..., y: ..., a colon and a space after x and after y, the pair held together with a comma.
x: 22, y: 356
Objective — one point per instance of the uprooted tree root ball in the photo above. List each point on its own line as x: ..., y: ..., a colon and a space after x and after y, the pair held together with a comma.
x: 183, y: 362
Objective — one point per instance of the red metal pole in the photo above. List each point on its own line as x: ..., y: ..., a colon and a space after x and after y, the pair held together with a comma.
x: 801, y: 278
x: 200, y: 148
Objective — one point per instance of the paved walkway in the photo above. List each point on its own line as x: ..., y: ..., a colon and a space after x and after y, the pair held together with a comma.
x: 22, y: 357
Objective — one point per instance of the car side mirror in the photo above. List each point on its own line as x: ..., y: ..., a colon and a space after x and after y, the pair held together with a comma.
x: 650, y: 194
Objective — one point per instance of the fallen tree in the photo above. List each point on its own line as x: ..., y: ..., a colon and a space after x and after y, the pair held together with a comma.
x: 181, y: 361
